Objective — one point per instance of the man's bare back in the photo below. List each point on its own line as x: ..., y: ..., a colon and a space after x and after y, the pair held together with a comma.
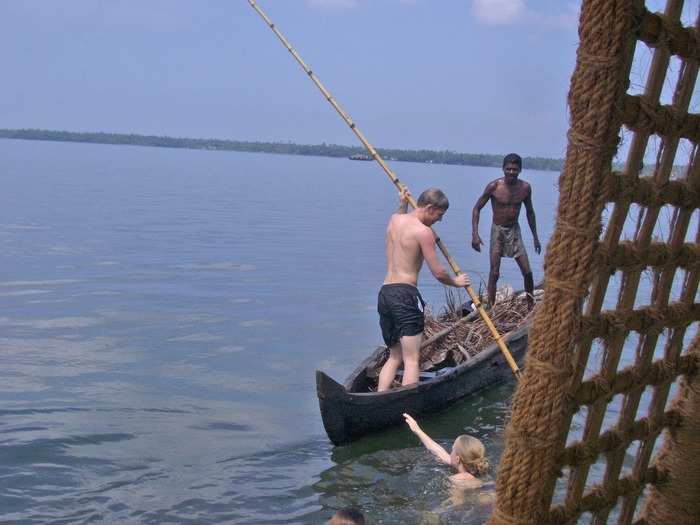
x: 409, y: 242
x: 404, y: 256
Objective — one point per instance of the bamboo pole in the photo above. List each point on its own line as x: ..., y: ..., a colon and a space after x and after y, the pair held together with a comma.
x: 399, y: 185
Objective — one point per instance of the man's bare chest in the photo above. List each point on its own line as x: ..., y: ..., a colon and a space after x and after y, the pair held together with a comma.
x: 505, y: 196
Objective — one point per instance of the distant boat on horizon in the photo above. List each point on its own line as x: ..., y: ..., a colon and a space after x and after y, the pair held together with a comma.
x: 359, y: 156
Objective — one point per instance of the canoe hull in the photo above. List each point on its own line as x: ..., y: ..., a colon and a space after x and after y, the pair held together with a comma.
x: 348, y: 415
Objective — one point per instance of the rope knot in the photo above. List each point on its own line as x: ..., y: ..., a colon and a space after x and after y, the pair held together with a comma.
x: 545, y: 368
x: 589, y: 143
x: 601, y: 387
x: 525, y: 440
x: 593, y: 61
x: 578, y: 290
x: 653, y: 322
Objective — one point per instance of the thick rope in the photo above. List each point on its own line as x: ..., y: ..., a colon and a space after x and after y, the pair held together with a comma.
x: 656, y: 30
x: 677, y: 500
x: 585, y: 452
x: 621, y: 187
x: 660, y: 372
x: 640, y: 114
x: 542, y: 403
x: 600, y: 497
x: 628, y: 256
x: 577, y: 270
x: 646, y: 319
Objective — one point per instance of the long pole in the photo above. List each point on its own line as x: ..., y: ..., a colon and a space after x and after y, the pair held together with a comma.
x: 399, y: 185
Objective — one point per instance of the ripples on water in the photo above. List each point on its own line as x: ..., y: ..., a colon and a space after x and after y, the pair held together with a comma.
x: 51, y: 475
x: 162, y: 312
x: 396, y: 480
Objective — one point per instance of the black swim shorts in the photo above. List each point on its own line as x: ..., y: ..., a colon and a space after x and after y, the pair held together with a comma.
x: 400, y: 308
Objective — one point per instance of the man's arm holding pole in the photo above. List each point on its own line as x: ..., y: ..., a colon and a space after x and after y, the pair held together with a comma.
x: 427, y: 244
x: 404, y: 196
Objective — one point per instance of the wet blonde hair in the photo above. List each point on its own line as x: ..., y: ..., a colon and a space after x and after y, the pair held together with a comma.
x: 348, y: 516
x: 472, y: 454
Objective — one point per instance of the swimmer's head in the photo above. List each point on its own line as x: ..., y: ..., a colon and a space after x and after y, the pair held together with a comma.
x: 469, y: 452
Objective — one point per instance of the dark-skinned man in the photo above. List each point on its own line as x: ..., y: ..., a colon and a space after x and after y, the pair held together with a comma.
x: 507, y: 194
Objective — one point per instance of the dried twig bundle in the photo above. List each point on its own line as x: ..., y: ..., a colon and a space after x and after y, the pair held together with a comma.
x: 469, y: 339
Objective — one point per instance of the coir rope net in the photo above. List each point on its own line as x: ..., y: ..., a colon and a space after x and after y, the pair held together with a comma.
x: 594, y: 434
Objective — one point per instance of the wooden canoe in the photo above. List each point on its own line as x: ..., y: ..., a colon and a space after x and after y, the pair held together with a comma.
x: 351, y: 411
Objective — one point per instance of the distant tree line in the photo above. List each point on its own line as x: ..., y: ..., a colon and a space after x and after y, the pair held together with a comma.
x: 288, y: 148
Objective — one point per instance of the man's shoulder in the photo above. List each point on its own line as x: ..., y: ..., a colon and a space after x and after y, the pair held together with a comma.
x: 493, y: 185
x: 398, y: 217
x: 466, y: 481
x: 416, y: 228
x: 405, y: 220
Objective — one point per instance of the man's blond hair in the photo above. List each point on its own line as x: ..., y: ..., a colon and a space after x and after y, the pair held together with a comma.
x: 433, y: 196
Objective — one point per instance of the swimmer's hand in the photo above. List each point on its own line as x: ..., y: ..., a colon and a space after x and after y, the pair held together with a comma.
x: 412, y: 423
x: 440, y: 453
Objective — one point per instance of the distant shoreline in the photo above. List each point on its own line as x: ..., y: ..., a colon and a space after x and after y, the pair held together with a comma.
x: 288, y: 148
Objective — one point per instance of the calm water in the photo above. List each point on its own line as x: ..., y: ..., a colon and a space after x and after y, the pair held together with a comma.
x: 162, y: 315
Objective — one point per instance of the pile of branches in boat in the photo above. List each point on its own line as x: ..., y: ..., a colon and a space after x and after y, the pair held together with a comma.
x: 469, y: 338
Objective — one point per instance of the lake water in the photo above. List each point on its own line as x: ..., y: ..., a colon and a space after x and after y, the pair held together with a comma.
x: 162, y: 315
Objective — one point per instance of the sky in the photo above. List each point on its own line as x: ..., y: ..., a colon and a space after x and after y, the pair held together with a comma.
x: 477, y: 76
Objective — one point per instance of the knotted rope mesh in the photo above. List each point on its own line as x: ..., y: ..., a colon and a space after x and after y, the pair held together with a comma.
x: 610, y: 342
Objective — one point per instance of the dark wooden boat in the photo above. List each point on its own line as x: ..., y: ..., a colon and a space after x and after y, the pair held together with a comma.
x: 351, y: 411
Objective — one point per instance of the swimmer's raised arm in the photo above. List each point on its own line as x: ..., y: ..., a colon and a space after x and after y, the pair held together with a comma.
x: 440, y: 453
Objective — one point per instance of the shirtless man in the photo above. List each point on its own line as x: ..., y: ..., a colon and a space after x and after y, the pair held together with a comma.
x: 506, y: 195
x: 409, y: 242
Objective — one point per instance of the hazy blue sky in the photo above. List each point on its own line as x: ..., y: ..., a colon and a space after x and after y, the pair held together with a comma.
x: 467, y: 75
